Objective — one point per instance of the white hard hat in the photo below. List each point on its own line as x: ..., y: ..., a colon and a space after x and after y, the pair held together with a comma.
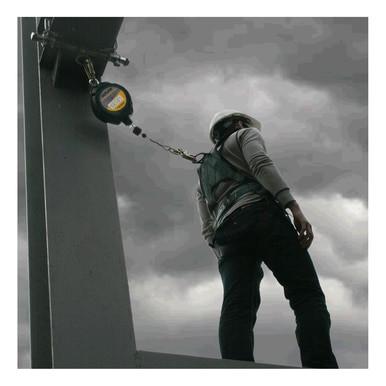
x: 230, y: 113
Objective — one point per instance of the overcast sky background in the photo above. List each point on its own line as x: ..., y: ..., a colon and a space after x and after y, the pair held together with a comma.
x: 306, y: 81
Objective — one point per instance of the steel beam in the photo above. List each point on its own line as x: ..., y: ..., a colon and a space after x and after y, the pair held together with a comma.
x: 91, y: 320
x: 40, y: 319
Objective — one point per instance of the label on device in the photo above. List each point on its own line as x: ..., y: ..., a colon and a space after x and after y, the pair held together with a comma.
x: 113, y: 99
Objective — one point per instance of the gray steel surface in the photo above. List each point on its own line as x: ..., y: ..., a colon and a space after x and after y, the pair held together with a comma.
x: 40, y: 329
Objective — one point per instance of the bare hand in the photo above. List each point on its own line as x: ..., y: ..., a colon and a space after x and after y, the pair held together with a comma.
x: 302, y: 225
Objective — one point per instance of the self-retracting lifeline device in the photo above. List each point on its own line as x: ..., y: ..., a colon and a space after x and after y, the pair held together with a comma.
x: 110, y: 102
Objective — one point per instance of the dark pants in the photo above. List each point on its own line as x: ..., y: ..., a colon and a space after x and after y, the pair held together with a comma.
x: 263, y: 232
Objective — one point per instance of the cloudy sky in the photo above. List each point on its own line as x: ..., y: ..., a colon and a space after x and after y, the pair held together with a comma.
x: 306, y: 81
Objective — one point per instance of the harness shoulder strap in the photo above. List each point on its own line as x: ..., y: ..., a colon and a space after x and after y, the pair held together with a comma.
x: 237, y: 170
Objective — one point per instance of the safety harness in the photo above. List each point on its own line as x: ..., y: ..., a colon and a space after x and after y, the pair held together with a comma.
x: 215, y: 169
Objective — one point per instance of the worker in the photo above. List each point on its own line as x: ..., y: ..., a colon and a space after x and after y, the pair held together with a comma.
x: 242, y: 200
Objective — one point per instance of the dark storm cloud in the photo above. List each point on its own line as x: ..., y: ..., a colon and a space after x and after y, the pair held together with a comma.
x: 192, y: 258
x: 313, y: 159
x: 325, y: 178
x: 168, y: 51
x: 310, y: 94
x: 335, y: 55
x: 155, y: 192
x: 328, y: 52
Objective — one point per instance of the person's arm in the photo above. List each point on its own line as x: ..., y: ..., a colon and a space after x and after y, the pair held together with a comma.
x: 262, y: 167
x: 205, y: 217
x: 254, y: 151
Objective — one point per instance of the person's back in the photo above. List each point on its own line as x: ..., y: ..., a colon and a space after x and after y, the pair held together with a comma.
x: 245, y: 150
x: 241, y: 201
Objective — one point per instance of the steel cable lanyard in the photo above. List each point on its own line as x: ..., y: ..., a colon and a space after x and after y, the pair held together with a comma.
x: 110, y: 102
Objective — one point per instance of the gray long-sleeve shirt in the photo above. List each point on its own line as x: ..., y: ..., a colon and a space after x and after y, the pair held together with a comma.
x: 251, y: 157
